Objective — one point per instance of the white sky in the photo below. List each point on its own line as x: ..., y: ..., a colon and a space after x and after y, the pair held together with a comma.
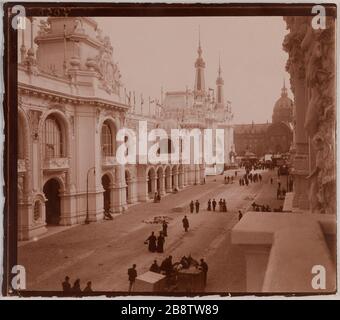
x: 161, y: 51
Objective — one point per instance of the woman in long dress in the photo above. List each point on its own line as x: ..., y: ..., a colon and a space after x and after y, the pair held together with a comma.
x: 160, y: 243
x: 152, y: 242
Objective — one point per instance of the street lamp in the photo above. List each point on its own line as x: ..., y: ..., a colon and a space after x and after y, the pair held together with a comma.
x: 87, y: 220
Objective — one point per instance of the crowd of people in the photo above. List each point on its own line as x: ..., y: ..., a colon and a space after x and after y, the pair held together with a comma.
x: 75, y: 289
x: 265, y: 208
x: 170, y: 269
x: 250, y: 177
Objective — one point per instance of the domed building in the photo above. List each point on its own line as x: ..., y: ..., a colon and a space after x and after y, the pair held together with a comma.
x: 267, y: 138
x: 283, y: 109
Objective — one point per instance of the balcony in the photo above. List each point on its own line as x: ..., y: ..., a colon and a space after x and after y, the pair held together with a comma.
x: 108, y: 161
x: 56, y: 164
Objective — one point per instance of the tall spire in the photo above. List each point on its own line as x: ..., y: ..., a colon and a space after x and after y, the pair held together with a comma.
x: 219, y: 65
x: 219, y: 85
x: 199, y: 88
x: 199, y: 50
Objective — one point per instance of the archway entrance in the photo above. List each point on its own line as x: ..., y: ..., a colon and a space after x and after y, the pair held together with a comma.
x: 150, y: 180
x: 128, y: 186
x: 106, y: 182
x: 51, y: 191
x: 159, y: 180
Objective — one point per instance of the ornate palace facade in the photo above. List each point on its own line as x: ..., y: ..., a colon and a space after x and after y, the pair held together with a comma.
x: 311, y: 65
x: 70, y: 108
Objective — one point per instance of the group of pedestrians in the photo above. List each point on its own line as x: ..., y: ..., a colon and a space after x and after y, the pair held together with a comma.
x: 75, y: 289
x: 228, y: 179
x: 222, y: 205
x: 169, y: 268
x: 156, y: 244
x: 249, y: 177
x: 194, y: 206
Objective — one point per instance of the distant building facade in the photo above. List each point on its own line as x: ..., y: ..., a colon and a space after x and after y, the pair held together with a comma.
x: 262, y: 138
x: 203, y: 108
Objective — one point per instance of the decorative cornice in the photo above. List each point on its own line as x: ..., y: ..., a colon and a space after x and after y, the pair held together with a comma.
x: 58, y: 97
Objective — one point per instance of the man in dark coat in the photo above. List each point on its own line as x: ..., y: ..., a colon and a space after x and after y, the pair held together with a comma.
x: 192, y: 205
x: 239, y: 215
x: 152, y: 242
x: 165, y: 228
x: 209, y: 205
x: 155, y: 267
x: 132, y: 273
x: 66, y: 285
x: 160, y: 242
x: 204, y: 267
x: 214, y: 203
x: 197, y: 206
x: 185, y: 222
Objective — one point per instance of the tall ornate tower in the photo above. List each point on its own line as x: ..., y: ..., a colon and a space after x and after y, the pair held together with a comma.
x: 219, y: 87
x: 199, y: 89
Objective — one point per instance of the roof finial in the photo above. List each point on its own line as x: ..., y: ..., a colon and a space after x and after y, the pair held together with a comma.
x: 199, y: 41
x: 219, y: 64
x: 199, y: 35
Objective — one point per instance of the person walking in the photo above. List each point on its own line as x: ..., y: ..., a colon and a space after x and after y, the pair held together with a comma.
x: 152, y: 242
x: 185, y: 222
x: 160, y: 243
x: 88, y: 287
x: 204, y: 267
x: 165, y: 228
x: 132, y: 273
x: 197, y: 206
x: 209, y: 205
x: 239, y: 215
x: 214, y: 203
x: 225, y: 206
x: 220, y: 205
x: 66, y: 284
x: 192, y: 205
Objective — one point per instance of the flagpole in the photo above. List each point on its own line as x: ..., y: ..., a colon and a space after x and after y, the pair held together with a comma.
x: 64, y: 63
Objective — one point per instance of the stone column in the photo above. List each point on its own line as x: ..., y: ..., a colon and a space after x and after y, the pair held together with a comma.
x: 119, y: 192
x: 168, y: 185
x: 296, y: 68
x: 162, y: 184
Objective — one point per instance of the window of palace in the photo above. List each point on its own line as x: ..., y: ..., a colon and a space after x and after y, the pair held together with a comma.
x: 107, y: 140
x: 53, y: 138
x: 37, y: 210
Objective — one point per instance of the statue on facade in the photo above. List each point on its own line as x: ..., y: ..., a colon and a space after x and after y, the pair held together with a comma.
x: 78, y: 26
x: 44, y: 27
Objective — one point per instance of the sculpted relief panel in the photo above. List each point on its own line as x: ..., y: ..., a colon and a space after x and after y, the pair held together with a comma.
x: 312, y: 58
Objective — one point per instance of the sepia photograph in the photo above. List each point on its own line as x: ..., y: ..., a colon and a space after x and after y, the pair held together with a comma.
x: 170, y: 150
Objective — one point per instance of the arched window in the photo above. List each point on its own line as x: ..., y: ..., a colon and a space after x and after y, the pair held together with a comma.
x: 107, y: 140
x: 53, y: 138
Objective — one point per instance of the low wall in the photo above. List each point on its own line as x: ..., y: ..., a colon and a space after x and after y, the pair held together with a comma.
x: 282, y: 250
